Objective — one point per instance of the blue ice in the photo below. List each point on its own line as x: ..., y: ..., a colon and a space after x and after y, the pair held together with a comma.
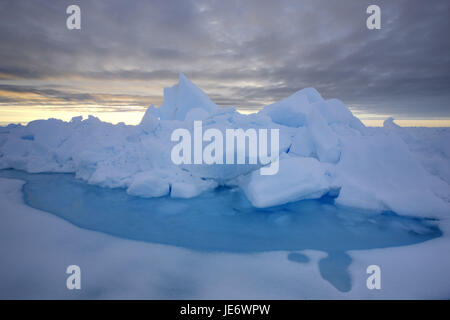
x: 224, y: 221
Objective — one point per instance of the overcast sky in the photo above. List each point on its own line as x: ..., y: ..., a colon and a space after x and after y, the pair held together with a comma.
x: 241, y: 53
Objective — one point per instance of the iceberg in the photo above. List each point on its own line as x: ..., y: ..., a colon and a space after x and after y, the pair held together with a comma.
x: 323, y: 149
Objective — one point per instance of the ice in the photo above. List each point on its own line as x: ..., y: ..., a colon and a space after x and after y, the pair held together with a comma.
x: 430, y: 146
x: 174, y: 182
x: 288, y: 112
x: 379, y: 172
x: 150, y: 121
x: 307, y: 242
x: 390, y: 124
x: 181, y: 98
x: 293, y: 110
x: 334, y: 111
x: 149, y: 184
x: 297, y: 179
x: 196, y: 114
x: 389, y: 168
x: 326, y: 142
x: 302, y: 144
x: 189, y: 211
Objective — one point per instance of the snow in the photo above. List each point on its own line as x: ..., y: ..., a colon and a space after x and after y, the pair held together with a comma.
x: 322, y: 147
x: 149, y: 184
x: 324, y: 150
x: 297, y: 179
x: 302, y: 144
x: 326, y: 143
x: 379, y: 172
x: 37, y: 247
x: 182, y: 98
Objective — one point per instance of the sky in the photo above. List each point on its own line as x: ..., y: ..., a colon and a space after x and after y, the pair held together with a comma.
x: 246, y: 53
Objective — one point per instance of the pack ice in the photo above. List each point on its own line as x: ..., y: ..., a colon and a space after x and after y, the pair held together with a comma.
x: 324, y: 150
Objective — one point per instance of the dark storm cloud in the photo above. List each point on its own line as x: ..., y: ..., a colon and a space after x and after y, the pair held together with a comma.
x: 243, y: 53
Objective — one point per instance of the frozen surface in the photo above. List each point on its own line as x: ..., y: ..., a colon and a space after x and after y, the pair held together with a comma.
x: 322, y: 145
x: 37, y: 247
x: 221, y: 220
x: 297, y: 179
x: 345, y: 197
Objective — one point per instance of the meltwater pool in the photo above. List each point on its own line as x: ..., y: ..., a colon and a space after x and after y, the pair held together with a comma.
x: 225, y: 221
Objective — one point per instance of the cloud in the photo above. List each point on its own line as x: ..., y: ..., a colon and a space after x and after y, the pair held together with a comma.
x: 65, y: 99
x: 243, y: 53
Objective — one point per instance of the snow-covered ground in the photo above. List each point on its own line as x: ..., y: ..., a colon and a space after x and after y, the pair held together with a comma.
x: 36, y: 248
x: 323, y: 149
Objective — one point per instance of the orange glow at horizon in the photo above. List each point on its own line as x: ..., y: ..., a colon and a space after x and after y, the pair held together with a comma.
x: 133, y: 116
